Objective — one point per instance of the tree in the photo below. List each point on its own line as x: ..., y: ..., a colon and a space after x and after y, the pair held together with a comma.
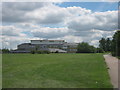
x: 105, y: 44
x: 99, y: 50
x: 102, y: 44
x: 33, y: 52
x: 5, y: 51
x: 108, y: 44
x: 116, y: 44
x: 85, y: 48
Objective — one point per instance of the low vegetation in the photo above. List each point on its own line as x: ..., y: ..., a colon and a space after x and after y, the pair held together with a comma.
x: 5, y: 50
x: 85, y: 48
x: 40, y: 52
x: 55, y: 71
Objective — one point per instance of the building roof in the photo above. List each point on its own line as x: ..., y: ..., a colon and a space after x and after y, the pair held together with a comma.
x: 47, y: 40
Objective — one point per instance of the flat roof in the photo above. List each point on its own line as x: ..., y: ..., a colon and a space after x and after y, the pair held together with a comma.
x: 47, y: 40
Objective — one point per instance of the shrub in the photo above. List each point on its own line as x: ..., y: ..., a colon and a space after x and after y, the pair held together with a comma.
x: 5, y: 51
x: 32, y: 52
x: 47, y: 52
x: 39, y: 52
x: 56, y: 52
x: 85, y: 48
x: 43, y: 52
x: 100, y: 50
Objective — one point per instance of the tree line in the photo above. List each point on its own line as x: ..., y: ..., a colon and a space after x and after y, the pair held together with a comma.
x: 105, y: 45
x: 112, y: 45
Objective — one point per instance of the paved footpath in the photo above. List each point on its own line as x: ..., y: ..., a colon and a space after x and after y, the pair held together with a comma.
x: 112, y: 63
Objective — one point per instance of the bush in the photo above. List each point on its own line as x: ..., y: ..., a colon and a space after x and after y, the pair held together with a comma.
x: 47, y: 52
x: 100, y: 50
x: 43, y: 52
x: 39, y: 52
x: 32, y: 52
x: 56, y: 52
x: 5, y: 51
x: 85, y: 48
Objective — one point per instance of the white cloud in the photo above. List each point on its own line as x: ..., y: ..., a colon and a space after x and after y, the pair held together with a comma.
x: 42, y: 14
x: 77, y: 11
x: 13, y: 41
x: 70, y: 38
x: 94, y: 42
x: 11, y: 36
x: 75, y: 24
x: 105, y: 21
x: 48, y: 15
x: 15, y: 11
x: 50, y: 32
x: 76, y: 18
x: 11, y: 31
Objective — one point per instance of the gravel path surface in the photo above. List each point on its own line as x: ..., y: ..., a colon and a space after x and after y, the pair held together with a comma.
x: 112, y: 63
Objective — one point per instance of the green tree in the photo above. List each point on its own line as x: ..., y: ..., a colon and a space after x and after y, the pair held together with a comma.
x: 108, y: 44
x: 102, y: 44
x: 116, y: 44
x: 99, y: 50
x: 5, y: 50
x: 85, y: 48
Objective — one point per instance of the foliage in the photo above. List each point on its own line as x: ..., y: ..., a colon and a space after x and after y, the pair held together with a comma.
x: 43, y: 52
x: 116, y: 44
x: 111, y: 45
x: 108, y: 44
x: 33, y: 52
x: 99, y: 50
x: 46, y: 52
x: 105, y: 44
x: 85, y: 48
x: 5, y: 50
x: 102, y: 44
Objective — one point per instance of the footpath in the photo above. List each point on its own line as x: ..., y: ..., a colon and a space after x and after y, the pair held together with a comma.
x: 113, y: 65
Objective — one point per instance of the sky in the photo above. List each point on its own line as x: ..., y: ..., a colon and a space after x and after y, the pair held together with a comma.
x: 70, y: 21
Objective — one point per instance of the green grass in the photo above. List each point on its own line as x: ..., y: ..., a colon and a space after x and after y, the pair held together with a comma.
x: 55, y: 71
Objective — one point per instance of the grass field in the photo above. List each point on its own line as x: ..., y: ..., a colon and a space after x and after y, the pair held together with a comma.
x: 55, y: 71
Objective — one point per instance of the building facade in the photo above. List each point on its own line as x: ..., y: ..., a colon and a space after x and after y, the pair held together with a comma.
x: 49, y: 45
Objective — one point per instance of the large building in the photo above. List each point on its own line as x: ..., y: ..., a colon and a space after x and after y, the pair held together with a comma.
x: 47, y: 45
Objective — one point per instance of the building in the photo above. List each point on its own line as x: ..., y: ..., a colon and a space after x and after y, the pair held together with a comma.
x: 47, y: 45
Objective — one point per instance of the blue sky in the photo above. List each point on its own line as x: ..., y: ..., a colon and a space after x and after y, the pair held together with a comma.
x: 94, y: 6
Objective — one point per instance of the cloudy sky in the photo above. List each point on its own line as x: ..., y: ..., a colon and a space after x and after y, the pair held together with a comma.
x: 69, y: 21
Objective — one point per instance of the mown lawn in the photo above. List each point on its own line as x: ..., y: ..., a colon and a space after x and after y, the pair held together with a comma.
x: 55, y: 71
